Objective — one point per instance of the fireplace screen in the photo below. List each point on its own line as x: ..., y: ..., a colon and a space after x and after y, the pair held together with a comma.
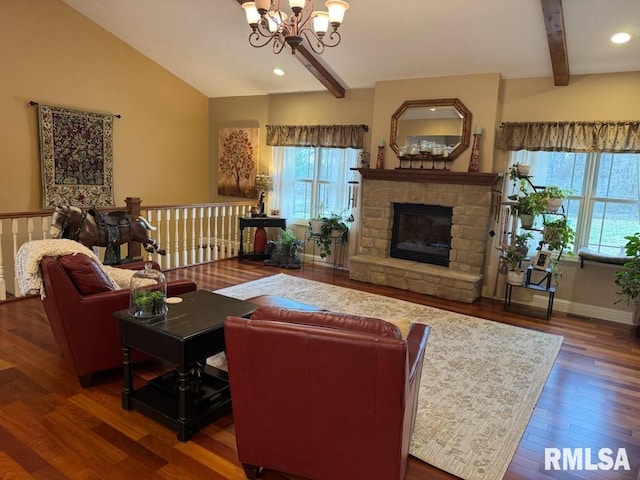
x: 421, y: 233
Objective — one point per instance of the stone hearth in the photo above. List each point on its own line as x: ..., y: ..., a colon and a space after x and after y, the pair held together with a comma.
x: 469, y: 194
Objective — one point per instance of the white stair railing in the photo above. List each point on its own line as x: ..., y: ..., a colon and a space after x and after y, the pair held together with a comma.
x: 191, y: 234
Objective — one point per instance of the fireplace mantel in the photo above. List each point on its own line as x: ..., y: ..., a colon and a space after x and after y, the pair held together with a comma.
x: 429, y: 176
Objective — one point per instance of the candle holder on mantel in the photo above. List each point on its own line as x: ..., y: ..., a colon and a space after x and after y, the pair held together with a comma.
x: 474, y: 163
x: 380, y: 159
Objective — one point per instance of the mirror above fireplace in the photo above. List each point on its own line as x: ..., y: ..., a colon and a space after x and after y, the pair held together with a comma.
x: 445, y: 122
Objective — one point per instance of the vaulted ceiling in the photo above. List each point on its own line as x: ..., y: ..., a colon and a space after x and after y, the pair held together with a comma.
x: 205, y: 42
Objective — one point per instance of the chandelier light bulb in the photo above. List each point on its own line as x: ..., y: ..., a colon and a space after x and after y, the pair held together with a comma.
x: 253, y: 17
x: 270, y: 25
x: 296, y: 4
x: 320, y: 22
x: 336, y: 10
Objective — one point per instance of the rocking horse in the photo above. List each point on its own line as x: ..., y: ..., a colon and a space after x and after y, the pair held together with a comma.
x: 93, y: 228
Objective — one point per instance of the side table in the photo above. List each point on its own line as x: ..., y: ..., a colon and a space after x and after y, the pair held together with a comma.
x: 245, y: 222
x: 193, y: 395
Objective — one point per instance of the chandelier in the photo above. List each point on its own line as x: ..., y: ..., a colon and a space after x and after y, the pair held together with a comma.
x: 270, y: 24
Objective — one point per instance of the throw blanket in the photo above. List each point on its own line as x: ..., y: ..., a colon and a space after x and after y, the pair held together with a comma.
x: 28, y: 262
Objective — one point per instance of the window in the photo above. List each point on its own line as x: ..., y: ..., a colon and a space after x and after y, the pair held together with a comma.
x: 604, y: 203
x: 313, y: 180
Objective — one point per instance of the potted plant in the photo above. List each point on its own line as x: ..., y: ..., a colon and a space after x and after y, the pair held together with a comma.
x: 521, y: 242
x: 555, y: 196
x: 518, y: 171
x: 512, y: 257
x: 334, y: 227
x: 557, y: 234
x: 284, y: 251
x: 529, y: 204
x: 316, y: 222
x: 628, y: 279
x: 149, y: 303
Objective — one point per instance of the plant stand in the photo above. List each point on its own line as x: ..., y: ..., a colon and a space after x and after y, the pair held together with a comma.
x: 544, y: 286
x: 337, y: 249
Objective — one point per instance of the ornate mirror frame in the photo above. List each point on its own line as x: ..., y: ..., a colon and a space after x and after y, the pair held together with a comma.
x: 463, y: 111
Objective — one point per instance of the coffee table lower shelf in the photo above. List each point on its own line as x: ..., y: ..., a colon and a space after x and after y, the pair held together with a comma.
x: 158, y: 400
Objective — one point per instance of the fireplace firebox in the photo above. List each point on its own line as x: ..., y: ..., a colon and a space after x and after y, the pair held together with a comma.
x: 421, y: 233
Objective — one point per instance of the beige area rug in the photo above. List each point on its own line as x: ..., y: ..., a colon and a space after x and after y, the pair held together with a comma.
x: 480, y: 380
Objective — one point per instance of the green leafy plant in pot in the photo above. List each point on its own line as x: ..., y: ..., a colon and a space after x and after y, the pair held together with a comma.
x: 316, y: 222
x: 558, y: 234
x: 512, y: 256
x: 149, y: 303
x: 334, y: 227
x: 628, y: 278
x: 521, y: 242
x: 284, y: 251
x: 529, y: 205
x: 555, y: 196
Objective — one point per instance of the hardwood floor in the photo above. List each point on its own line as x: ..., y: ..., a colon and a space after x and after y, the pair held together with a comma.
x: 51, y: 428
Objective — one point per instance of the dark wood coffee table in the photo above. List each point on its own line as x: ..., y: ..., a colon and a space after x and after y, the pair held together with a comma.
x: 194, y: 394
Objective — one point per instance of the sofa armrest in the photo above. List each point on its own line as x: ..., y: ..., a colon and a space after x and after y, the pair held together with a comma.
x: 416, y: 344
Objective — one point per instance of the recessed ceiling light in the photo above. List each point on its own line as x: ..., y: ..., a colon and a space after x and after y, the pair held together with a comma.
x: 621, y: 37
x: 277, y: 71
x: 432, y: 109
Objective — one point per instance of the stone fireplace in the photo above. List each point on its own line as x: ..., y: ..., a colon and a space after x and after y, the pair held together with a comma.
x: 467, y: 195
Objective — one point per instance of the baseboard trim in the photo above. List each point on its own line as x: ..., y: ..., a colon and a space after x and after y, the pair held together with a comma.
x: 583, y: 310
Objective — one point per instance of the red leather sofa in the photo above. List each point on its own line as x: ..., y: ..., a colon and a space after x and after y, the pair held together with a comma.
x: 79, y: 302
x: 323, y: 395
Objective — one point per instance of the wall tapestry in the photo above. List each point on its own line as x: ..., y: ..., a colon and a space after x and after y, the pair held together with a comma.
x: 76, y: 155
x: 238, y: 161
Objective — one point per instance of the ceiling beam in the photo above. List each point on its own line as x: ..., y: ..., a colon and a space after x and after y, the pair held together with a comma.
x: 316, y: 68
x: 554, y: 23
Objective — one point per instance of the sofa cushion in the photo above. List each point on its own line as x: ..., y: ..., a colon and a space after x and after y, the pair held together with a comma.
x: 86, y: 274
x: 342, y: 321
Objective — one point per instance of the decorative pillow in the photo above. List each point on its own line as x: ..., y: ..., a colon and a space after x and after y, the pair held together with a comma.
x: 342, y: 321
x: 86, y: 274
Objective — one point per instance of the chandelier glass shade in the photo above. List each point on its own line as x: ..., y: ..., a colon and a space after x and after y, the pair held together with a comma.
x: 269, y: 24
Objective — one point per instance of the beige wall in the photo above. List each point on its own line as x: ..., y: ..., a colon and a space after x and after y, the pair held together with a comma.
x: 53, y: 55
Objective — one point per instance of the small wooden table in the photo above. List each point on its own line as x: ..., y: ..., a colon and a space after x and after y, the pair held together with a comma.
x: 257, y: 222
x: 194, y: 394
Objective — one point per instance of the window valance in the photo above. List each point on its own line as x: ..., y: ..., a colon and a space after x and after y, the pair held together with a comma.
x: 334, y: 136
x: 614, y: 137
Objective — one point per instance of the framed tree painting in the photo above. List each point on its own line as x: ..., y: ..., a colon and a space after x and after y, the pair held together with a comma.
x: 238, y: 161
x: 76, y: 155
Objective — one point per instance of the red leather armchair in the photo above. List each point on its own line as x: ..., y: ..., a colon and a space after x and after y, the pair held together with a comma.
x: 79, y: 308
x: 323, y: 395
